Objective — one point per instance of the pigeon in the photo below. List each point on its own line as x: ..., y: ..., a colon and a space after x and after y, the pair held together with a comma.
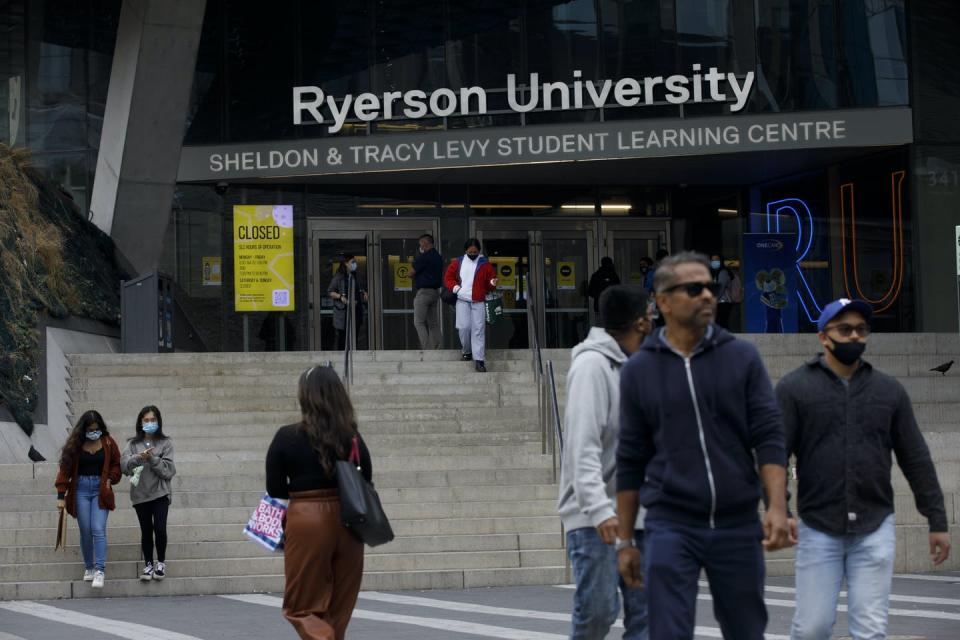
x: 943, y: 368
x: 35, y: 455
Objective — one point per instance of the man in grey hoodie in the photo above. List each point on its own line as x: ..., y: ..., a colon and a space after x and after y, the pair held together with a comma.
x: 587, y: 491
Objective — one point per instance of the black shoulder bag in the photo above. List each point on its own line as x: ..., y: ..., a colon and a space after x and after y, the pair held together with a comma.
x: 360, y: 508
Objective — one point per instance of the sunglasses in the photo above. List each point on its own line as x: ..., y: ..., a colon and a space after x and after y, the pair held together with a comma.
x: 846, y: 330
x: 694, y: 289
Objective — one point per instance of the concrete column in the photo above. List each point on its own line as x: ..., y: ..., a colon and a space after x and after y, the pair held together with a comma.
x: 150, y: 82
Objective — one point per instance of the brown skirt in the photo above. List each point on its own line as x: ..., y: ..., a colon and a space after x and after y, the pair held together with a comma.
x: 323, y: 563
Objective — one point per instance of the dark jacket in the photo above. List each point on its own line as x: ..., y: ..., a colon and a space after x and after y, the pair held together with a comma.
x: 842, y: 439
x: 690, y: 429
x: 66, y: 481
x: 429, y: 270
x: 601, y: 279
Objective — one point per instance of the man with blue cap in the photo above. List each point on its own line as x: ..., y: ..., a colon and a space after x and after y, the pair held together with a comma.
x: 843, y: 419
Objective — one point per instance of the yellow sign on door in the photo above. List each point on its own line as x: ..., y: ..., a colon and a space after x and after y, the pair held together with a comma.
x: 212, y: 273
x: 566, y: 276
x: 402, y: 278
x: 506, y: 273
x: 263, y: 257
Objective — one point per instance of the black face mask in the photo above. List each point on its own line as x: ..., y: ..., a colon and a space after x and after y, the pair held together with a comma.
x: 473, y: 257
x: 847, y: 352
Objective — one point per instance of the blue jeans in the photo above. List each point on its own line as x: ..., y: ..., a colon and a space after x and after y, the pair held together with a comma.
x: 595, y: 601
x: 733, y: 560
x: 93, y: 523
x: 823, y: 561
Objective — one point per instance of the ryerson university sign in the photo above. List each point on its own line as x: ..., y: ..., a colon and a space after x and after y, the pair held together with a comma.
x: 568, y: 142
x: 309, y: 101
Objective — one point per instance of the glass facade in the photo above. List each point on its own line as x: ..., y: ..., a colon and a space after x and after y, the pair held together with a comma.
x: 807, y: 54
x: 55, y: 61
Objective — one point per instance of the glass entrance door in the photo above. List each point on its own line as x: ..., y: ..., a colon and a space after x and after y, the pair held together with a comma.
x: 628, y: 246
x: 384, y: 250
x: 567, y: 256
x: 396, y: 251
x: 509, y: 252
x: 542, y: 276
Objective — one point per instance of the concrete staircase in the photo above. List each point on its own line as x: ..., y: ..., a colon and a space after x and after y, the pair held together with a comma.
x: 457, y: 462
x: 936, y: 404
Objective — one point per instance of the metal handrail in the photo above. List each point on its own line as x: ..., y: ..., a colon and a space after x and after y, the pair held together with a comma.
x: 548, y: 405
x: 350, y: 327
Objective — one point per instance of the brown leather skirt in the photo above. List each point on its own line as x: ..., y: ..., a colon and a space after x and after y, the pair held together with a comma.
x: 323, y: 563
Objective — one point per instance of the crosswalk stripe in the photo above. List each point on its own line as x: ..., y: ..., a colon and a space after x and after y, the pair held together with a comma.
x: 457, y: 626
x: 920, y: 576
x: 129, y: 630
x: 905, y: 613
x: 10, y: 636
x: 948, y: 602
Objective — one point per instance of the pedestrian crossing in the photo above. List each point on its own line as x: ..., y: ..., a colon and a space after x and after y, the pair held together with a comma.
x: 920, y: 608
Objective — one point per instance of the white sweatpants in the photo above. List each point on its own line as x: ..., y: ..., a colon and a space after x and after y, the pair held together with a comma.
x: 472, y: 327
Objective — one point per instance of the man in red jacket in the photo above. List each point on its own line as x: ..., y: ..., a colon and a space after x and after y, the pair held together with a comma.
x: 471, y: 277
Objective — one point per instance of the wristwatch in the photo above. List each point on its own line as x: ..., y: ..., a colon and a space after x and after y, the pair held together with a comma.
x: 619, y: 545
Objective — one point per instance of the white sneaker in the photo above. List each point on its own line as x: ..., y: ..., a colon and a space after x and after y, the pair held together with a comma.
x: 88, y: 575
x: 147, y: 572
x: 98, y: 579
x: 160, y: 572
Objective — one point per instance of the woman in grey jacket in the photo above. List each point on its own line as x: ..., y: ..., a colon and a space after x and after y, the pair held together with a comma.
x: 148, y: 460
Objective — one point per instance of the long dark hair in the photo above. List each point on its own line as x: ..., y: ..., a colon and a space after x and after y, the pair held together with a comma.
x: 159, y: 435
x: 328, y: 417
x: 71, y: 448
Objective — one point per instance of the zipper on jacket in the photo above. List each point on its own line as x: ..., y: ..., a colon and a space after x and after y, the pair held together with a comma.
x: 703, y: 443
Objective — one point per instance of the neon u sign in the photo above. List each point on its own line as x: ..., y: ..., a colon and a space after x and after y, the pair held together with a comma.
x: 806, y: 228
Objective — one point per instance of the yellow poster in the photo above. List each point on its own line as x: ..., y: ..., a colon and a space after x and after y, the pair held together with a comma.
x: 402, y: 278
x: 506, y: 273
x: 263, y: 257
x: 636, y: 277
x: 212, y: 272
x: 566, y: 276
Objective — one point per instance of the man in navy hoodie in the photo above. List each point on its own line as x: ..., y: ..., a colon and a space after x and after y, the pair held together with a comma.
x: 698, y: 418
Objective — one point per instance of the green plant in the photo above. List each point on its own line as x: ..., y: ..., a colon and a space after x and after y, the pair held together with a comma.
x: 52, y: 262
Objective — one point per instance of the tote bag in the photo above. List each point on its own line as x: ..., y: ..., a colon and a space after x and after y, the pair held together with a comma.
x: 265, y: 526
x: 360, y: 508
x: 493, y: 306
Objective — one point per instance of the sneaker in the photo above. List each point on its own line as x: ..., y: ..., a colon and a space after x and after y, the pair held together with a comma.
x: 482, y: 368
x: 98, y: 578
x: 160, y: 572
x: 147, y: 572
x: 467, y: 357
x: 88, y: 575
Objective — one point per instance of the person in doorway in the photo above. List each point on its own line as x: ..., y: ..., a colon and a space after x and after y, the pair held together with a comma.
x: 602, y: 278
x: 722, y: 276
x: 586, y: 505
x: 89, y: 467
x: 269, y: 332
x: 148, y: 460
x: 323, y: 560
x: 646, y: 271
x: 472, y: 277
x: 698, y: 417
x: 343, y: 282
x: 843, y: 420
x: 427, y: 280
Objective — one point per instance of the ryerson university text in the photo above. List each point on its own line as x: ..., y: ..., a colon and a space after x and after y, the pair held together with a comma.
x: 312, y: 106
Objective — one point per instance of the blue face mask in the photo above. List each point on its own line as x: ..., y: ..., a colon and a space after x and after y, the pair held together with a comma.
x: 150, y: 427
x: 353, y: 266
x: 714, y: 264
x: 94, y: 435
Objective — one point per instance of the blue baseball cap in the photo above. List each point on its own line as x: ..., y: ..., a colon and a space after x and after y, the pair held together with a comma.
x: 837, y: 307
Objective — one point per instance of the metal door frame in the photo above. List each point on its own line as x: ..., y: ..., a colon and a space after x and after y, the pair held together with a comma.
x: 353, y: 228
x: 633, y: 228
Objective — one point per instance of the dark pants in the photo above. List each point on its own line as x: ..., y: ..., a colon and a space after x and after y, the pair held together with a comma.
x: 153, y: 524
x: 733, y: 560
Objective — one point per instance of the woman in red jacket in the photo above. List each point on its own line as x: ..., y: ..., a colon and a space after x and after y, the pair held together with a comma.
x: 89, y: 466
x: 471, y: 277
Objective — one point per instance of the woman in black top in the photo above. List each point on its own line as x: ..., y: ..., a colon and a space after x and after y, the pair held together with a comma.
x: 323, y: 561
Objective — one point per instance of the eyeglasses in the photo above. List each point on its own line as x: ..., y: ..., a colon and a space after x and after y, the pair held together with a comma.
x: 846, y: 330
x: 694, y: 289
